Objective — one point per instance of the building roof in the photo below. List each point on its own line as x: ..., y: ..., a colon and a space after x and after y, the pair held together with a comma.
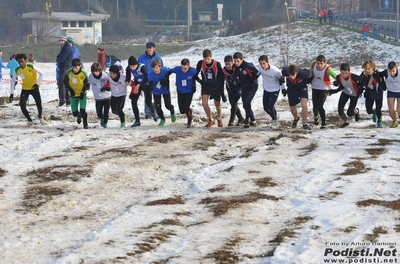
x: 67, y: 16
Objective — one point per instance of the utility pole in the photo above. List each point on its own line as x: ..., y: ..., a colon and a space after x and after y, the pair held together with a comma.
x: 240, y: 11
x: 189, y: 18
x: 316, y: 10
x: 117, y: 8
x: 397, y: 23
x: 287, y: 34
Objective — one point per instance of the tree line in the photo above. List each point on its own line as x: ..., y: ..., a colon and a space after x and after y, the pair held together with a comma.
x: 128, y: 16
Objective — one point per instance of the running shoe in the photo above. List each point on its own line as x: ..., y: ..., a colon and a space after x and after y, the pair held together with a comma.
x: 294, y: 124
x: 210, y: 123
x: 357, y: 116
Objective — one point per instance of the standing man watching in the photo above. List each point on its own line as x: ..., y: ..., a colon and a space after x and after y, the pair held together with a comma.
x: 146, y: 58
x: 63, y: 60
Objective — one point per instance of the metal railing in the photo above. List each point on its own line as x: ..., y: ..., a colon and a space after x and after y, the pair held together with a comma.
x: 355, y: 21
x: 384, y: 15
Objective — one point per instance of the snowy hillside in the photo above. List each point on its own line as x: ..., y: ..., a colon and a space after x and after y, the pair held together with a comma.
x: 217, y: 195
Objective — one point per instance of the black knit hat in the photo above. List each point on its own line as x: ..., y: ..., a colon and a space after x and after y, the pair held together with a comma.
x: 132, y: 61
x: 114, y: 69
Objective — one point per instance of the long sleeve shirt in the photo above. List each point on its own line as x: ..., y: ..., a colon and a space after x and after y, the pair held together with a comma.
x: 30, y: 75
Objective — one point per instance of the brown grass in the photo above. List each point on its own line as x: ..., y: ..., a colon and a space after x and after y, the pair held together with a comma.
x: 307, y: 150
x: 209, y: 140
x: 248, y: 152
x: 376, y: 232
x: 36, y: 196
x: 121, y: 152
x: 163, y: 139
x: 348, y: 229
x: 229, y: 169
x: 355, y: 167
x: 222, y: 156
x: 272, y: 140
x: 79, y: 148
x: 297, y: 137
x: 51, y: 157
x: 167, y: 201
x: 58, y: 173
x: 394, y: 205
x: 152, y: 242
x: 299, y: 220
x: 217, y: 189
x: 2, y: 172
x: 221, y: 205
x: 290, y: 232
x: 375, y: 152
x: 265, y: 182
x: 329, y: 195
x: 182, y: 213
x: 227, y: 253
x: 385, y: 142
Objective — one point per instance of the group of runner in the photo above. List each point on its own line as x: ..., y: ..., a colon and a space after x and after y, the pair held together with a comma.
x: 237, y: 77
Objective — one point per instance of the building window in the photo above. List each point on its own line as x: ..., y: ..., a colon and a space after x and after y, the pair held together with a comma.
x: 89, y: 23
x: 72, y: 23
x: 81, y: 24
x: 65, y: 24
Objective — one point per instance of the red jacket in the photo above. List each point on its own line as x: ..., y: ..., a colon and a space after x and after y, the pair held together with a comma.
x: 365, y: 28
x: 102, y: 58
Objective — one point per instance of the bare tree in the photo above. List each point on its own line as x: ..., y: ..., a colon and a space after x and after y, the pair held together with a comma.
x: 177, y: 5
x: 339, y: 6
x: 134, y: 20
x: 44, y: 30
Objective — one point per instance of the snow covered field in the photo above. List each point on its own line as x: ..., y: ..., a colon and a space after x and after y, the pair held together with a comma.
x: 218, y: 195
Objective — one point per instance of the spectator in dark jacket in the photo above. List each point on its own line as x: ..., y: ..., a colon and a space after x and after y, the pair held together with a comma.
x: 63, y: 60
x: 330, y: 16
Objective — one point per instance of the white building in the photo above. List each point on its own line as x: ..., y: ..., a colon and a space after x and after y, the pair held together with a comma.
x: 83, y: 27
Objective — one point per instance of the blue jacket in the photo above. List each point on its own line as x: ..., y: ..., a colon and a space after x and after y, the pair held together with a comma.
x: 139, y: 75
x: 155, y: 79
x: 76, y: 54
x: 64, y: 58
x: 146, y: 59
x: 184, y: 80
x: 1, y: 66
x: 12, y: 65
x: 300, y: 82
